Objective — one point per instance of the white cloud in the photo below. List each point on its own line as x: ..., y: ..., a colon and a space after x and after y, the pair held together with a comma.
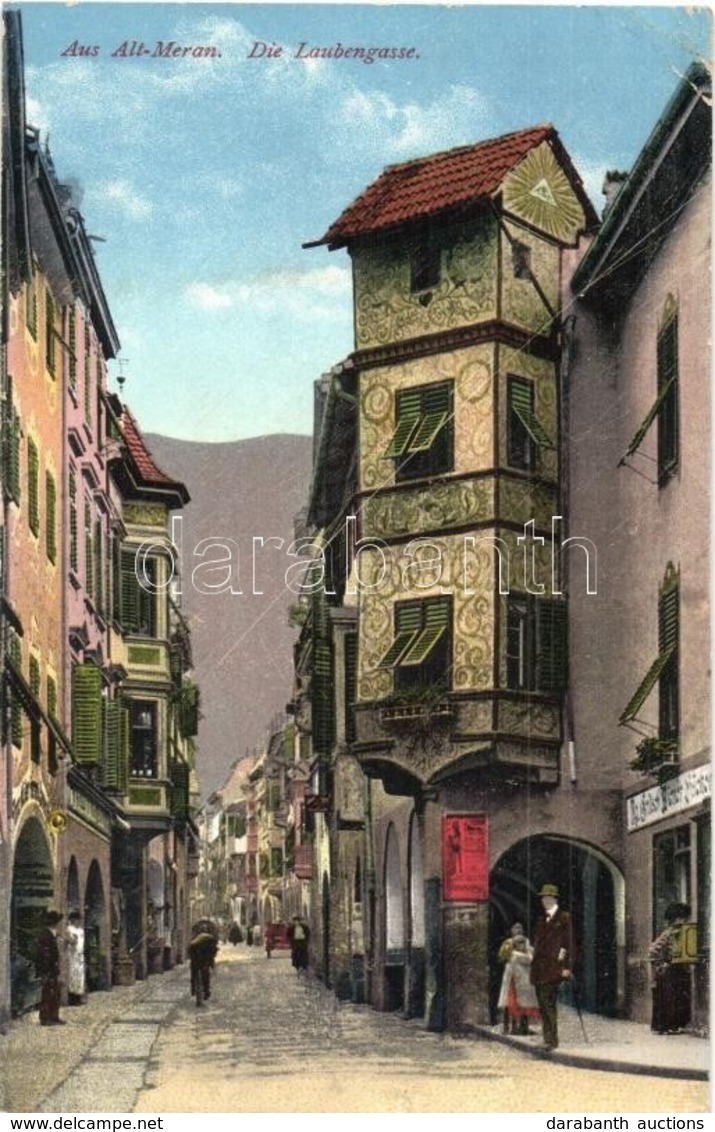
x: 311, y: 295
x: 122, y: 196
x: 206, y: 297
x: 381, y: 126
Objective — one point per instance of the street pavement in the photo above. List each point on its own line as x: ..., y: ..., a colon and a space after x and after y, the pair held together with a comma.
x: 273, y: 1040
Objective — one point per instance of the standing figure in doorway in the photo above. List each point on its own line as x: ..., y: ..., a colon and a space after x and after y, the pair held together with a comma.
x: 671, y: 979
x: 517, y: 997
x: 74, y: 937
x: 553, y: 960
x: 47, y: 968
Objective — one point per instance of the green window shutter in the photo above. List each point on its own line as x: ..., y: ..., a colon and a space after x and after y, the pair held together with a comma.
x: 87, y: 374
x: 130, y: 592
x: 427, y: 431
x: 322, y: 697
x: 87, y: 713
x: 124, y: 745
x: 17, y: 712
x: 521, y: 397
x: 72, y: 347
x: 49, y: 332
x: 11, y: 438
x: 33, y: 502
x: 397, y: 648
x: 51, y: 698
x: 408, y: 412
x: 435, y: 616
x: 668, y: 618
x: 648, y: 421
x: 112, y: 776
x: 189, y: 710
x: 646, y: 686
x: 552, y: 646
x: 116, y: 578
x: 35, y: 679
x: 351, y: 663
x: 99, y: 564
x: 50, y: 517
x: 180, y: 791
x: 408, y: 623
x: 147, y: 599
x: 74, y: 534
x: 88, y: 550
x: 668, y: 352
x: 31, y: 306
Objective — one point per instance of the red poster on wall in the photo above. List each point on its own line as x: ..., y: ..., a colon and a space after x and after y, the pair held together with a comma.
x: 465, y: 859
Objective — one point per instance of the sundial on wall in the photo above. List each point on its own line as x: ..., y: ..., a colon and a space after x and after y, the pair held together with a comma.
x: 539, y: 192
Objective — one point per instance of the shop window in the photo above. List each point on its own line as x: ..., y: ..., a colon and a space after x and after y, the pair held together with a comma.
x: 671, y: 872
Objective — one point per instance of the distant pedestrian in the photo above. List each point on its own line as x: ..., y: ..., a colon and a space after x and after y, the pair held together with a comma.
x: 553, y: 960
x: 203, y: 946
x: 74, y: 938
x: 298, y: 936
x: 269, y: 938
x: 235, y: 935
x: 256, y: 934
x: 47, y: 969
x: 517, y: 997
x: 671, y: 979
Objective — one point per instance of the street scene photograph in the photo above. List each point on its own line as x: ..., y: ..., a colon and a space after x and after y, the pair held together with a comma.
x: 355, y: 565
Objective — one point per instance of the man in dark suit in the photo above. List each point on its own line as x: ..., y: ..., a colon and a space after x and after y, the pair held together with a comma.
x: 553, y: 960
x: 47, y: 969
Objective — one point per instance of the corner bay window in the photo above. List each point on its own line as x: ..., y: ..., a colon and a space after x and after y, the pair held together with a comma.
x: 536, y: 644
x: 423, y: 441
x: 143, y: 739
x: 420, y: 653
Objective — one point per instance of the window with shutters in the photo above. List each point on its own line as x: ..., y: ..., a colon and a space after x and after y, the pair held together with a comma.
x: 668, y: 395
x: 87, y: 374
x: 17, y: 713
x: 87, y: 714
x: 11, y: 440
x: 526, y: 436
x: 88, y: 550
x: 115, y: 762
x: 74, y: 535
x: 536, y: 644
x: 423, y: 441
x: 420, y: 653
x: 52, y: 713
x: 143, y: 739
x: 33, y: 487
x: 35, y: 683
x: 31, y: 304
x: 71, y: 336
x: 351, y: 657
x: 658, y: 754
x: 99, y: 564
x: 35, y: 678
x: 50, y: 517
x: 138, y: 601
x: 180, y: 792
x: 116, y: 576
x: 665, y: 408
x: 50, y: 333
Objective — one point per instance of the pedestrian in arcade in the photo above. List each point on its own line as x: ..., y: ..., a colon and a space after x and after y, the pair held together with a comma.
x: 671, y: 978
x: 47, y: 969
x: 298, y: 936
x: 74, y: 938
x: 517, y: 997
x: 553, y: 960
x: 203, y: 946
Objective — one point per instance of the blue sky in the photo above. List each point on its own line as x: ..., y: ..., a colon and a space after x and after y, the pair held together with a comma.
x: 205, y: 176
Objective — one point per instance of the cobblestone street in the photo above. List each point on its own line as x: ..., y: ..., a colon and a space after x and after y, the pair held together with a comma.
x: 270, y: 1040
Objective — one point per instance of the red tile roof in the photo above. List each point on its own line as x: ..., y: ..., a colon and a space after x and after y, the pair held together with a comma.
x: 432, y: 184
x: 150, y: 474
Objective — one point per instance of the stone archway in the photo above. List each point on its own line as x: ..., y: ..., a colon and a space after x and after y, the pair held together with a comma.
x: 32, y: 894
x: 96, y: 944
x: 592, y: 889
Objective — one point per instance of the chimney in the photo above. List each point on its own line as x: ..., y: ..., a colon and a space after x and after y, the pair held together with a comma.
x: 611, y: 187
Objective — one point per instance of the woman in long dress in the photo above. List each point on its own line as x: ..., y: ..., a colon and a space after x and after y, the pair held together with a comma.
x: 74, y: 938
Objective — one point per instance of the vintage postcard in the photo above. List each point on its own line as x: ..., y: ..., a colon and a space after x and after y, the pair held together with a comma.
x: 355, y: 562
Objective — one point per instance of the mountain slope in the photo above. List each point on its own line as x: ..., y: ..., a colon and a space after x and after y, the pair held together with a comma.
x: 243, y: 494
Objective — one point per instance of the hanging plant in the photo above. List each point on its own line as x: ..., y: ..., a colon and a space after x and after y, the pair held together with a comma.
x: 658, y: 757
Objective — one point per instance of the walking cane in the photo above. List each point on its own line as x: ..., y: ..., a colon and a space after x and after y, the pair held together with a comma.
x: 576, y: 1001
